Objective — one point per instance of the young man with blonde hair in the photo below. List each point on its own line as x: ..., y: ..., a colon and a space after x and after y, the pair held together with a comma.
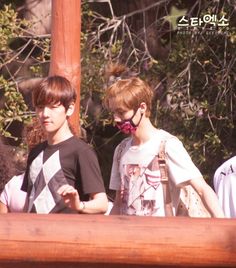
x: 134, y: 175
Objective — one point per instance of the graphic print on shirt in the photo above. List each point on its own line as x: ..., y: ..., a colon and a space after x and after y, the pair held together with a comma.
x: 227, y: 172
x: 45, y: 180
x: 141, y: 190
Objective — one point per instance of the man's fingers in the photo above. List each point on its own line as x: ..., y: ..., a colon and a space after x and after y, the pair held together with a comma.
x: 66, y: 189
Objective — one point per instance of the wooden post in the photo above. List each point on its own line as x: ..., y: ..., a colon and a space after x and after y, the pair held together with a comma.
x: 65, y: 46
x: 59, y: 240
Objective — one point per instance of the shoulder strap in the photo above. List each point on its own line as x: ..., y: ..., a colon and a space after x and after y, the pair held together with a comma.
x: 164, y: 174
x: 162, y: 161
x: 165, y: 180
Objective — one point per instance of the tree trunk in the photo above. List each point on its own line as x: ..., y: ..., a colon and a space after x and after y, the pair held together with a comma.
x: 65, y: 47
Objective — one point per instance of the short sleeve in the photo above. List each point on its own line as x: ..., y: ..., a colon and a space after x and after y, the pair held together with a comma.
x: 115, y: 180
x: 225, y: 185
x: 180, y: 165
x: 3, y: 196
x: 90, y: 172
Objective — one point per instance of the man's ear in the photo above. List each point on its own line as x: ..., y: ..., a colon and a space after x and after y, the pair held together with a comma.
x: 70, y: 109
x: 143, y: 107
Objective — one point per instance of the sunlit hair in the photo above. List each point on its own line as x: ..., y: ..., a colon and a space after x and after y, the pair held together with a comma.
x: 52, y: 90
x: 129, y: 94
x: 33, y: 133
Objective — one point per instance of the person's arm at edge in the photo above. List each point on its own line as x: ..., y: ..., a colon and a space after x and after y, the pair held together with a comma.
x: 208, y: 196
x: 4, y: 201
x: 3, y: 208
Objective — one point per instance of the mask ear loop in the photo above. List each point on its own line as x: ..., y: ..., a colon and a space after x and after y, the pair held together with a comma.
x: 131, y: 119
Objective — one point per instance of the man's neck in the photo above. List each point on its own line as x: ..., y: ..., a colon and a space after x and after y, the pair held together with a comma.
x: 59, y: 136
x: 144, y: 132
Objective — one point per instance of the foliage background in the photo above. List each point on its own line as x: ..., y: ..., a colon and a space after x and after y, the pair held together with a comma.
x: 192, y: 75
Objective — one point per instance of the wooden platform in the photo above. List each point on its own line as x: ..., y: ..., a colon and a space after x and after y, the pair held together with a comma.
x: 68, y: 241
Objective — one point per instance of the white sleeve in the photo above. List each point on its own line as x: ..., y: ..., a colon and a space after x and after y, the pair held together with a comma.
x: 115, y: 180
x: 225, y: 185
x: 180, y: 165
x: 4, y: 195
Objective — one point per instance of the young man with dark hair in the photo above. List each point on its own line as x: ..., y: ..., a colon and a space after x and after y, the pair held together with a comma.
x: 63, y: 174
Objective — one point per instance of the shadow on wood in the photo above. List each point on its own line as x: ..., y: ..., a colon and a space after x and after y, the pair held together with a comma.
x: 30, y: 240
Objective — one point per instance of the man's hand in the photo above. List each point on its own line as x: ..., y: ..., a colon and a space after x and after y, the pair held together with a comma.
x: 70, y: 196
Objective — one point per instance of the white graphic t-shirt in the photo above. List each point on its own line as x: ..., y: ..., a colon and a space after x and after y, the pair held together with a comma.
x: 136, y: 174
x: 225, y: 186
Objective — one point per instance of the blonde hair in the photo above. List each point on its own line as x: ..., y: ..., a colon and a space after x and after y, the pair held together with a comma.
x: 129, y: 93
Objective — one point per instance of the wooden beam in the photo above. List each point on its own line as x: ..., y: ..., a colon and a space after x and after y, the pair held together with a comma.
x: 56, y: 240
x: 65, y: 46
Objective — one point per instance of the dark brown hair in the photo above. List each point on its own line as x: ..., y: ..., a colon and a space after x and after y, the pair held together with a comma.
x: 54, y: 89
x: 8, y: 167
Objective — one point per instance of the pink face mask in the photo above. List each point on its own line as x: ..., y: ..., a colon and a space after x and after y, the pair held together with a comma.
x: 128, y: 126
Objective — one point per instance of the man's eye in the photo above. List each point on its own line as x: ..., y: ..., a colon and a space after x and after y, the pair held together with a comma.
x: 40, y: 107
x: 54, y: 106
x: 120, y: 112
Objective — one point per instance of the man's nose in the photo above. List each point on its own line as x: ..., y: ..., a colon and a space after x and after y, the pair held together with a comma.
x: 45, y: 111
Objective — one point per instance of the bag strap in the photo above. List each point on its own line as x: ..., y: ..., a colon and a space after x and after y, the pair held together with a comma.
x: 161, y: 158
x: 165, y: 180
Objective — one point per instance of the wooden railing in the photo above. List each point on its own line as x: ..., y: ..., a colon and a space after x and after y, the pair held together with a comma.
x: 30, y: 240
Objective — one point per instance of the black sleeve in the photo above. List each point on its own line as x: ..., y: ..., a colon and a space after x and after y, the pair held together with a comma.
x: 90, y: 172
